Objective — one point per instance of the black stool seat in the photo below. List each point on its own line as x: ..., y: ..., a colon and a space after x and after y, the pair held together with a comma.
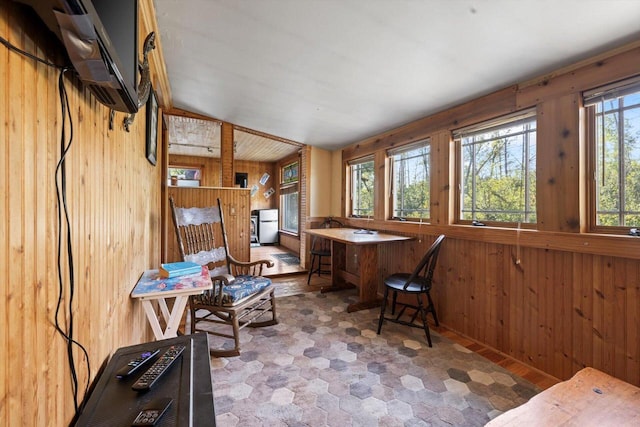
x: 321, y: 248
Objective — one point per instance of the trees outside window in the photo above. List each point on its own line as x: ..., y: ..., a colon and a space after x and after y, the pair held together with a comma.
x: 498, y: 170
x: 613, y: 116
x: 289, y: 208
x: 362, y: 187
x: 410, y: 192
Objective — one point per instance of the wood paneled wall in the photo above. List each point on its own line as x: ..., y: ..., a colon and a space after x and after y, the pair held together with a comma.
x: 211, y: 171
x: 113, y: 197
x: 573, y: 299
x: 255, y: 170
x: 212, y: 175
x: 290, y: 242
x: 555, y: 310
x: 236, y: 209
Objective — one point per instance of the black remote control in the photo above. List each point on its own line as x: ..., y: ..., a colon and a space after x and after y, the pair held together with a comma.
x: 137, y: 363
x: 152, y: 412
x: 155, y: 371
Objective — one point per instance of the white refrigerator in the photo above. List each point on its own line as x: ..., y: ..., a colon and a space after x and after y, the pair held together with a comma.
x: 268, y: 226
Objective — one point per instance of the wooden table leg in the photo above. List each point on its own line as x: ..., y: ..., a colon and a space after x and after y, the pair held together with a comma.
x: 153, y: 319
x: 368, y: 271
x: 172, y: 317
x: 173, y: 323
x: 338, y: 263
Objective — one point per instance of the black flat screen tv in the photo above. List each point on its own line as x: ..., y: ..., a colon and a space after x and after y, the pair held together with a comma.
x: 101, y: 39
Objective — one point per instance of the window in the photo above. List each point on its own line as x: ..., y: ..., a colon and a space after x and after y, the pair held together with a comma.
x: 289, y: 207
x: 289, y: 198
x: 361, y: 174
x: 613, y: 132
x: 498, y: 170
x: 290, y: 173
x: 410, y: 180
x: 184, y: 176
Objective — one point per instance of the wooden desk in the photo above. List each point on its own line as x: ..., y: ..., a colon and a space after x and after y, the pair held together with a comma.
x: 152, y: 287
x: 366, y: 279
x: 589, y: 398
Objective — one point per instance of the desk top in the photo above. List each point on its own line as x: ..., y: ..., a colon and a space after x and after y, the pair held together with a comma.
x: 350, y: 236
x: 151, y: 284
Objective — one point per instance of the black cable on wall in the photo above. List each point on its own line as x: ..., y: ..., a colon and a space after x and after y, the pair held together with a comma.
x: 65, y: 329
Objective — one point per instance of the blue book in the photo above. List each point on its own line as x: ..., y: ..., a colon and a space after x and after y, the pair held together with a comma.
x: 182, y: 268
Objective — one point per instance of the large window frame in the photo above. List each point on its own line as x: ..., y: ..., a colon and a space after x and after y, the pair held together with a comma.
x: 612, y: 124
x: 361, y: 191
x: 410, y: 180
x: 487, y: 197
x: 289, y: 198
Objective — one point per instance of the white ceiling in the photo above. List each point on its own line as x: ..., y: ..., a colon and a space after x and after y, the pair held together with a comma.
x: 332, y: 72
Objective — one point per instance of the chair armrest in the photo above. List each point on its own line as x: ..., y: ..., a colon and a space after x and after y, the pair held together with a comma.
x: 213, y: 296
x: 225, y: 278
x: 251, y: 268
x: 234, y: 261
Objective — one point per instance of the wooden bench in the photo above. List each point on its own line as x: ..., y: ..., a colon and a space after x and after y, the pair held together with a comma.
x: 589, y: 398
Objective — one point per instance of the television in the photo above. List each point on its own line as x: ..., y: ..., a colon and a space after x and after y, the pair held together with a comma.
x: 101, y: 40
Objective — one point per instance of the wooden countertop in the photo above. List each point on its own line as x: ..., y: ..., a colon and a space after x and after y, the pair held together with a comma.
x: 353, y: 237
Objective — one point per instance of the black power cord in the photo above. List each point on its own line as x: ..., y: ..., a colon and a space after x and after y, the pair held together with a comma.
x: 61, y: 192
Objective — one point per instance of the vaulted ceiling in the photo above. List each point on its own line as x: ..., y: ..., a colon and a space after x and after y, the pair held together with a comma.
x: 331, y: 72
x: 190, y: 136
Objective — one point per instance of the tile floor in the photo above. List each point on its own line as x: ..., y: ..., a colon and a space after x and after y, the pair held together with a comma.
x: 322, y: 366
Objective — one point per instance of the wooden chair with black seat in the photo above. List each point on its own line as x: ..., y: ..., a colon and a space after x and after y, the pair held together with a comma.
x: 240, y: 295
x: 321, y: 248
x: 417, y: 283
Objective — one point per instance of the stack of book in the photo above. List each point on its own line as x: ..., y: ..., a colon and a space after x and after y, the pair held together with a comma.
x: 182, y: 268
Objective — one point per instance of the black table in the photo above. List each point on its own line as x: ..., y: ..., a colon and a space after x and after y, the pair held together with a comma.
x: 187, y: 382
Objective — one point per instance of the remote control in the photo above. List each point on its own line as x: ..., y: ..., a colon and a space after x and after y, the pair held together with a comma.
x: 135, y: 364
x: 155, y: 371
x: 151, y: 413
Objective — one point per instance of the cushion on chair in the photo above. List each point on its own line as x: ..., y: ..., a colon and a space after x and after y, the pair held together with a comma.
x: 398, y: 280
x: 242, y: 287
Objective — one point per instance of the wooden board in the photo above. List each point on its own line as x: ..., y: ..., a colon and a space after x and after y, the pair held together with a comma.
x: 590, y: 398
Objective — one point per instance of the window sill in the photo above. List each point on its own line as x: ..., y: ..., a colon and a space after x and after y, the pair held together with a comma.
x: 289, y: 233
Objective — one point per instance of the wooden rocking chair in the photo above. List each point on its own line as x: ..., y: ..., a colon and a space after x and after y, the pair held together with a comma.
x: 240, y: 295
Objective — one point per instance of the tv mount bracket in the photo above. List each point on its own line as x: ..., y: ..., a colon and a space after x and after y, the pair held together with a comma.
x: 144, y: 87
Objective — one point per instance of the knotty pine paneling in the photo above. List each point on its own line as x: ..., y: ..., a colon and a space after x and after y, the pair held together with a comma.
x: 556, y: 311
x: 609, y: 67
x: 558, y: 164
x: 236, y: 209
x: 113, y: 199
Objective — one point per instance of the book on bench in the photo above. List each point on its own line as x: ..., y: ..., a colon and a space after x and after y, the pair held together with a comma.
x: 182, y: 268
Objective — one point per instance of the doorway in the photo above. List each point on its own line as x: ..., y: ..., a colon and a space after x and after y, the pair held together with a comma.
x: 284, y: 261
